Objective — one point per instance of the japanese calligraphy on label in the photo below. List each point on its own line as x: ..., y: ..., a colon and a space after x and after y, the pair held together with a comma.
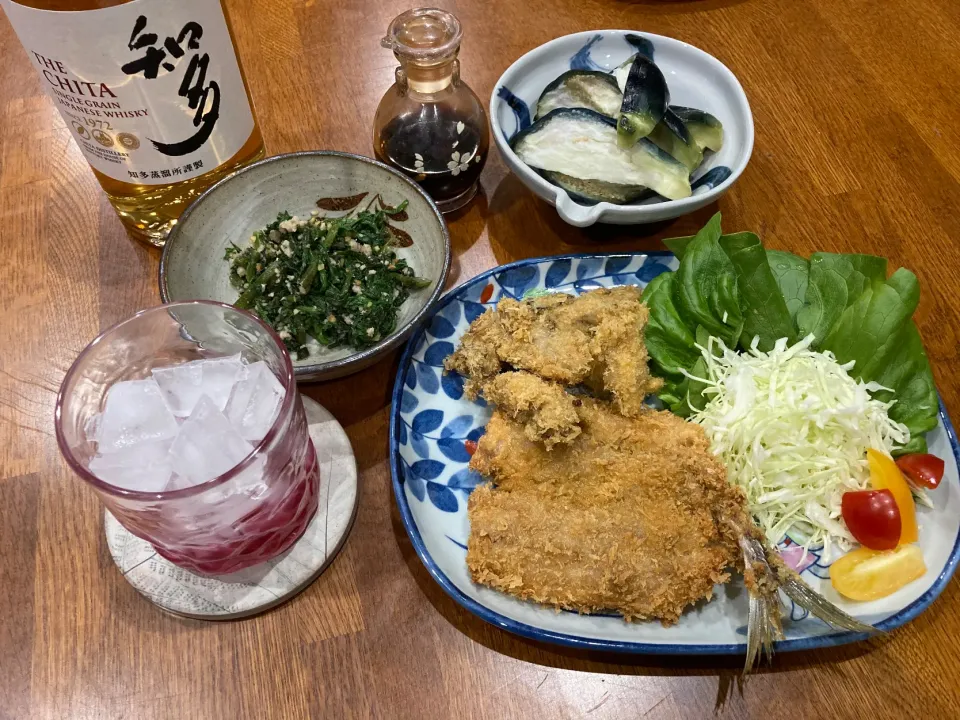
x: 150, y: 90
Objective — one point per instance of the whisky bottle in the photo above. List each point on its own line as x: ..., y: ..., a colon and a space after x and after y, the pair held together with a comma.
x: 153, y: 94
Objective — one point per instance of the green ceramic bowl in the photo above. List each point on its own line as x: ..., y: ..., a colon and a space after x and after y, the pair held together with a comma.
x: 193, y: 268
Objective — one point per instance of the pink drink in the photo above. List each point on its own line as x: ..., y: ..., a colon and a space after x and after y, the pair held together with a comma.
x: 245, y: 515
x: 271, y: 525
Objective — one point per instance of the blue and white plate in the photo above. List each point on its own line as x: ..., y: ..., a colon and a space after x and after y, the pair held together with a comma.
x: 433, y: 427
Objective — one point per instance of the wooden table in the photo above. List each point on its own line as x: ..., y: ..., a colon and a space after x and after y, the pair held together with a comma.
x: 858, y: 130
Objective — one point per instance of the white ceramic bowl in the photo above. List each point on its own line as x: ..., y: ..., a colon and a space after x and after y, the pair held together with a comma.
x: 695, y: 78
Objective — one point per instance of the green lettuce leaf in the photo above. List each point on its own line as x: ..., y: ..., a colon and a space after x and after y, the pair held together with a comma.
x: 835, y: 281
x: 671, y: 340
x: 791, y: 273
x: 728, y: 286
x: 678, y: 245
x: 869, y: 328
x: 908, y: 373
x: 765, y: 313
x: 705, y: 291
x: 671, y: 345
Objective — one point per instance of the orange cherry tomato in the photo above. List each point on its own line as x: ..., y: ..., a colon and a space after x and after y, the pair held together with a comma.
x: 923, y: 470
x: 885, y: 475
x: 865, y: 574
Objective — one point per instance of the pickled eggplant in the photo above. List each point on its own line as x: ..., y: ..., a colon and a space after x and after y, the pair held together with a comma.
x: 582, y: 144
x: 581, y: 88
x: 621, y: 72
x: 704, y: 128
x: 613, y: 137
x: 645, y: 100
x: 672, y: 136
x: 594, y: 191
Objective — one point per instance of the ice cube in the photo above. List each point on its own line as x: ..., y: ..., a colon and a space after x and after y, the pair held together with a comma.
x: 255, y: 402
x: 91, y: 428
x: 135, y: 412
x: 182, y: 385
x: 240, y: 497
x: 208, y: 445
x: 144, y: 466
x: 219, y: 377
x: 178, y: 483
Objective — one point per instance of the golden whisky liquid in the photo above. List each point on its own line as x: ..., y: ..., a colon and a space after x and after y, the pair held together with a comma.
x: 149, y: 211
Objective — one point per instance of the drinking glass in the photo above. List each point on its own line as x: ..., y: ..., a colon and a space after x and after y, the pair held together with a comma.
x: 247, y: 515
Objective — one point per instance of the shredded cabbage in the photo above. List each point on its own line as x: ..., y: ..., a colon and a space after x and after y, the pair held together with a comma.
x: 793, y: 429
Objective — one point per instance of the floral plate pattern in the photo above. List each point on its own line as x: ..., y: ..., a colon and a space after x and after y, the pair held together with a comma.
x: 434, y: 430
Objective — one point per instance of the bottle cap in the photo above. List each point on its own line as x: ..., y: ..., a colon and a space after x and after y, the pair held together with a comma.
x: 423, y: 35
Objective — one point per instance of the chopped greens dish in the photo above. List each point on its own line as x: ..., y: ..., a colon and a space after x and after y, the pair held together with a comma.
x: 336, y: 280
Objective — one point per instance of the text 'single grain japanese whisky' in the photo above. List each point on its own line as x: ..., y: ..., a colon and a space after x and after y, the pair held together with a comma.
x: 152, y: 93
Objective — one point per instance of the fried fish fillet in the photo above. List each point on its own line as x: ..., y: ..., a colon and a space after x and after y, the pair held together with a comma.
x: 635, y: 515
x: 597, y: 503
x: 595, y: 339
x: 546, y: 411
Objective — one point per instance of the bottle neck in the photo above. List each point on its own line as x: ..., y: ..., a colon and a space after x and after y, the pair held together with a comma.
x: 428, y: 79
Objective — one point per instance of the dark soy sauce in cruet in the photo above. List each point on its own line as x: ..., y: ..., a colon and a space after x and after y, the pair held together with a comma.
x: 430, y: 125
x: 430, y: 149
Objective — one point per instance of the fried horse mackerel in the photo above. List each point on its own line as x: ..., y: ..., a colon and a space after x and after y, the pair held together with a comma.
x: 597, y: 503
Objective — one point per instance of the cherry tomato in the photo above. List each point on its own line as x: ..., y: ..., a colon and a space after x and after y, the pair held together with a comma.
x: 872, y: 517
x: 885, y: 475
x: 866, y: 574
x: 922, y: 470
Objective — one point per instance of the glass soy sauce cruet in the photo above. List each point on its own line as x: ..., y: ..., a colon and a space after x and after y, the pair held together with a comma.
x: 429, y: 124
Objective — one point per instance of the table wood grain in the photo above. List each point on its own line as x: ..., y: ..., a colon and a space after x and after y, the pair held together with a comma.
x: 858, y: 130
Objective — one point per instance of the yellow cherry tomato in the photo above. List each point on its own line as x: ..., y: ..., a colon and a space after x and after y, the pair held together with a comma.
x: 865, y: 574
x: 885, y: 475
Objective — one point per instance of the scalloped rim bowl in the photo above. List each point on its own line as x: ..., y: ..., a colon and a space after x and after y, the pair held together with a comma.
x: 193, y: 268
x: 696, y: 79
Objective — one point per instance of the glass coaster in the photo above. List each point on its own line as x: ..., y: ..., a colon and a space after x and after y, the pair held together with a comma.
x: 261, y: 587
